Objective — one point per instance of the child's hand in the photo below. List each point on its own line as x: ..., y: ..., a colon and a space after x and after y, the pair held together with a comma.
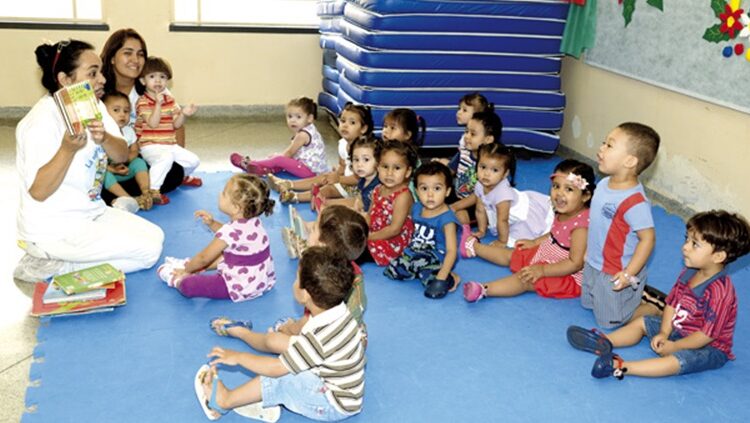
x: 441, y: 160
x: 478, y: 234
x: 289, y: 327
x: 179, y: 274
x: 118, y: 169
x: 189, y: 110
x: 662, y: 345
x: 332, y: 178
x: 205, y: 216
x: 358, y: 206
x: 159, y: 98
x: 531, y: 274
x: 524, y: 244
x: 657, y: 342
x: 222, y: 356
x: 619, y: 281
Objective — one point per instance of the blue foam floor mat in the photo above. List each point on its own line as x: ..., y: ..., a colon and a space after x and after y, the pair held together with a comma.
x: 428, y: 361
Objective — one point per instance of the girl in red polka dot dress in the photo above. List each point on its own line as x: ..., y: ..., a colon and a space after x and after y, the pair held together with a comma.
x: 390, y: 210
x: 551, y: 264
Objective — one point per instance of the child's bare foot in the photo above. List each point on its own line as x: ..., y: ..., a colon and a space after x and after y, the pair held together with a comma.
x: 145, y: 201
x: 206, y: 380
x: 456, y: 281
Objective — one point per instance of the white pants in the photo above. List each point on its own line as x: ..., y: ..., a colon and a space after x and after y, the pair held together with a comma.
x: 160, y: 158
x: 124, y: 240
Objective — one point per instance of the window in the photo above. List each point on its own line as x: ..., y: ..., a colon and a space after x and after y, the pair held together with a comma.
x: 247, y: 13
x: 57, y: 11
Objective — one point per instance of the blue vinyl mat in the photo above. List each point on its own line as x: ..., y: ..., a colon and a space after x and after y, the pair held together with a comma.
x: 428, y: 360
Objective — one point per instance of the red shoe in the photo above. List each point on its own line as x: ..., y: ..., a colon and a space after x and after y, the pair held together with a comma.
x: 317, y: 202
x: 192, y: 181
x: 159, y: 199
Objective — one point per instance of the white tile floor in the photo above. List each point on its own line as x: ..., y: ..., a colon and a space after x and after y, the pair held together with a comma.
x: 213, y: 140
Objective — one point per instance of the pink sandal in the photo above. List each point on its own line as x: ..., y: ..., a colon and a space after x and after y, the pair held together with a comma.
x: 466, y: 243
x: 474, y: 291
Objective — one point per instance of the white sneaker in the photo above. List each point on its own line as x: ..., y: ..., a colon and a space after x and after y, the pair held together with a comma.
x: 166, y: 270
x: 34, y: 269
x: 257, y: 412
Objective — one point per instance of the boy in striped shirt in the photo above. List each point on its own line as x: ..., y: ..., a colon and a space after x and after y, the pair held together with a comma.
x: 695, y: 332
x: 320, y: 372
x: 158, y: 117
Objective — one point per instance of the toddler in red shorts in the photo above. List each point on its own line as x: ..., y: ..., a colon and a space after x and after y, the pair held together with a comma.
x: 551, y: 264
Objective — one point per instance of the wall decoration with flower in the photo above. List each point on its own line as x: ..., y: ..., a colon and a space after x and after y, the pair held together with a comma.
x: 733, y: 27
x: 628, y: 7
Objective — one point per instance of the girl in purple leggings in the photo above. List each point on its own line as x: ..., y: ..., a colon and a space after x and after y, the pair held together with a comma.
x: 240, y: 250
x: 305, y: 156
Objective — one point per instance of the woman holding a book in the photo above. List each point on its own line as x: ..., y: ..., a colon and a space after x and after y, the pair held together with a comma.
x: 61, y: 156
x: 123, y: 57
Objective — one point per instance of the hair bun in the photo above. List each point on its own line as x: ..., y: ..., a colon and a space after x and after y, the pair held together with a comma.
x: 44, y: 54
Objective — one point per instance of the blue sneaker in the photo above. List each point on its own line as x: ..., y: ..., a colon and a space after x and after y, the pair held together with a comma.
x: 590, y: 340
x: 604, y: 366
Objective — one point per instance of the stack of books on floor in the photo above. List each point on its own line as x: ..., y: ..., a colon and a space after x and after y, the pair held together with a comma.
x: 92, y: 290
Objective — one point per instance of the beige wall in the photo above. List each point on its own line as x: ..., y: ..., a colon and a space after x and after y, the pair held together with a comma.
x: 702, y: 161
x: 210, y: 68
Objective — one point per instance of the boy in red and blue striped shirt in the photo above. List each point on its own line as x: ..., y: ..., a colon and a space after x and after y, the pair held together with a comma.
x: 695, y: 331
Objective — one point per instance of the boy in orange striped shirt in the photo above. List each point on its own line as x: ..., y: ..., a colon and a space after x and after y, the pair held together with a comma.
x: 158, y: 116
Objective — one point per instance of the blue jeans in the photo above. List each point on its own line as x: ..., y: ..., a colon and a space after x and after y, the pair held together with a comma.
x: 691, y: 361
x: 303, y: 393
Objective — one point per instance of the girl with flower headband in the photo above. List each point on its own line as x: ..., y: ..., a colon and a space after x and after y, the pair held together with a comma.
x: 550, y: 265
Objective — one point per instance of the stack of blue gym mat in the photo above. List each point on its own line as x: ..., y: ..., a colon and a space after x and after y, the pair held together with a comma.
x: 331, y: 13
x: 426, y: 54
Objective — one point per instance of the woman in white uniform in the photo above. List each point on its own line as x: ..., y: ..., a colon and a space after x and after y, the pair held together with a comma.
x: 63, y: 224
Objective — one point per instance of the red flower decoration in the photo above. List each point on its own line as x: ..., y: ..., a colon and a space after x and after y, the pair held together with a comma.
x: 734, y: 15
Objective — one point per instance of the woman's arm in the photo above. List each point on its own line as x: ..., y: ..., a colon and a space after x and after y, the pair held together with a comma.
x: 206, y: 257
x: 300, y: 139
x: 401, y: 210
x: 115, y: 147
x: 450, y: 251
x: 50, y: 176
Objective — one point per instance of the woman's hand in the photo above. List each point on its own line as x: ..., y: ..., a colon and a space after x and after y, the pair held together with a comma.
x: 96, y: 129
x: 73, y: 143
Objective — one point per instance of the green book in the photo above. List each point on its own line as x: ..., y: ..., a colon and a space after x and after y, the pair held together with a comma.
x: 78, y: 106
x: 88, y: 279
